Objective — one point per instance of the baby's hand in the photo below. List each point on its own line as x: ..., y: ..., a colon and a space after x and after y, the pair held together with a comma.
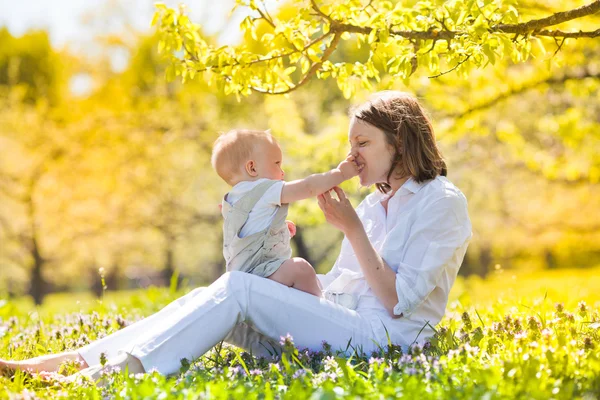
x: 291, y: 227
x: 348, y: 167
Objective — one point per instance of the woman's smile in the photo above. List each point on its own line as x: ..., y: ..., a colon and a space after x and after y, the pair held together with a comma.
x: 361, y: 166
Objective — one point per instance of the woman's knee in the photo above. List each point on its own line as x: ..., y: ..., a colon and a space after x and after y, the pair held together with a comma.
x: 233, y: 280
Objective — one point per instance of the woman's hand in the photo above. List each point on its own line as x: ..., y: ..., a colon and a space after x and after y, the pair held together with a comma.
x: 339, y: 212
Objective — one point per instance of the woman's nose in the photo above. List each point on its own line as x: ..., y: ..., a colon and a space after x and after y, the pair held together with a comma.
x: 356, y: 154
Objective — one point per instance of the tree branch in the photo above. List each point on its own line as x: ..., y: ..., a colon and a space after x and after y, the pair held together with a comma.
x: 313, y: 69
x: 321, y: 13
x: 554, y: 19
x: 266, y: 17
x: 451, y: 69
x: 271, y: 58
x: 533, y: 26
x: 573, y: 35
x: 523, y: 88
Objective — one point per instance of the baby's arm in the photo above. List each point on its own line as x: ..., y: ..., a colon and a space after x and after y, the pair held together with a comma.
x: 316, y: 184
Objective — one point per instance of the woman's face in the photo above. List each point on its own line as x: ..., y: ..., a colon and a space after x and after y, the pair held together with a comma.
x: 372, y: 152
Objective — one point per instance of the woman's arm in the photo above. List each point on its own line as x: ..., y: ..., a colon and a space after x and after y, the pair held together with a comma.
x: 379, y: 276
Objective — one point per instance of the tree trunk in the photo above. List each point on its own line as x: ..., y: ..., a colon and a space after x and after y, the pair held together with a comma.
x: 218, y: 267
x: 96, y: 279
x: 113, y: 278
x: 37, y: 288
x: 485, y: 260
x: 466, y: 268
x: 301, y: 247
x: 550, y: 259
x: 169, y: 268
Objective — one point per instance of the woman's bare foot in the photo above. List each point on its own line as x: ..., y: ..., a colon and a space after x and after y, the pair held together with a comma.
x: 47, y: 363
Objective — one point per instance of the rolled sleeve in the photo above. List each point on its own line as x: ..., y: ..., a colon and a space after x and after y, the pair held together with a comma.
x: 326, y: 279
x: 437, y: 241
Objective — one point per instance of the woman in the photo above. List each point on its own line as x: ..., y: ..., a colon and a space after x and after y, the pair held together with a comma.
x: 402, y: 249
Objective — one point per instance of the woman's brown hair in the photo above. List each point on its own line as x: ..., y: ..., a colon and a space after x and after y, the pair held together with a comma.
x: 408, y: 130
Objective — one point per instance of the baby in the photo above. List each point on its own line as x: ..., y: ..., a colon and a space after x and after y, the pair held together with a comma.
x: 256, y: 236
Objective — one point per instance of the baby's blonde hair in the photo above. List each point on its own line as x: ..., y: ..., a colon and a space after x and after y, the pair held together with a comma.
x: 231, y: 150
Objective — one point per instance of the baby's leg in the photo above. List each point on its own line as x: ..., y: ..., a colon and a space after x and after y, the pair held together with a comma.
x: 299, y: 274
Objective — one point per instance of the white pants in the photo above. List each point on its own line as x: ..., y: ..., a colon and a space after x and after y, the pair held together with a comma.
x: 244, y: 310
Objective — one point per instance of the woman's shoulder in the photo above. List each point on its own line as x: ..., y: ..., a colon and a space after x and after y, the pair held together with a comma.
x: 442, y: 191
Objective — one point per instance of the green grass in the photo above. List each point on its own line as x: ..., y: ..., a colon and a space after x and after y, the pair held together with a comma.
x: 515, y: 335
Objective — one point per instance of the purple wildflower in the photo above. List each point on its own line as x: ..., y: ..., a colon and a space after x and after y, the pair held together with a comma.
x: 299, y: 373
x: 236, y: 371
x: 286, y: 340
x: 375, y: 360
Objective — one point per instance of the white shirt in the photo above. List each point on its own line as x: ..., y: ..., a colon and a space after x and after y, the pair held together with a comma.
x: 423, y: 237
x: 262, y: 214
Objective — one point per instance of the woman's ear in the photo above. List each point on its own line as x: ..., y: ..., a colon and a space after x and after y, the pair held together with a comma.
x: 251, y: 168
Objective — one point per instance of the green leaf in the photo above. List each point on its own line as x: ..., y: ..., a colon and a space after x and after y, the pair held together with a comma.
x: 487, y: 50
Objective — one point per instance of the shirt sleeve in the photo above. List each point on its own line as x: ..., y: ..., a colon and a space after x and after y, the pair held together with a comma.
x: 335, y: 271
x: 272, y: 196
x: 330, y: 276
x: 437, y: 241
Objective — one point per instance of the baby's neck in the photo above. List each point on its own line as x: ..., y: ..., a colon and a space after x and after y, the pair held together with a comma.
x: 245, y: 179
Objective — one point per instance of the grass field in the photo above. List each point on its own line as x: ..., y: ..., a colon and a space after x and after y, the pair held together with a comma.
x: 513, y: 335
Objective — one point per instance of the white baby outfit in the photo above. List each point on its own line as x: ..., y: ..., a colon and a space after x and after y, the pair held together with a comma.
x: 264, y: 245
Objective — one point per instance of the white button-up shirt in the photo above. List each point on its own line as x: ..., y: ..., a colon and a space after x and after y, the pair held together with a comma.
x: 423, y: 237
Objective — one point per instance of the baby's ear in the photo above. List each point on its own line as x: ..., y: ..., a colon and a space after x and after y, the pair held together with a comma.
x: 251, y: 168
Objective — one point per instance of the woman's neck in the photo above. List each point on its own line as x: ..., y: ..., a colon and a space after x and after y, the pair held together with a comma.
x: 396, y: 184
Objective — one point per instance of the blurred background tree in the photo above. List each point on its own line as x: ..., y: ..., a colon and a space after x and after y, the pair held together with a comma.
x: 118, y: 176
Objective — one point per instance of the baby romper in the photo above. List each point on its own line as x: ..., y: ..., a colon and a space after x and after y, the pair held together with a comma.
x: 260, y: 253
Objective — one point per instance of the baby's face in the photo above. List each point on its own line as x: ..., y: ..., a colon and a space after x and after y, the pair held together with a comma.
x: 268, y: 158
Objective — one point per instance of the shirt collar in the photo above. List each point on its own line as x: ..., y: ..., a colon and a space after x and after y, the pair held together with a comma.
x: 411, y: 186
